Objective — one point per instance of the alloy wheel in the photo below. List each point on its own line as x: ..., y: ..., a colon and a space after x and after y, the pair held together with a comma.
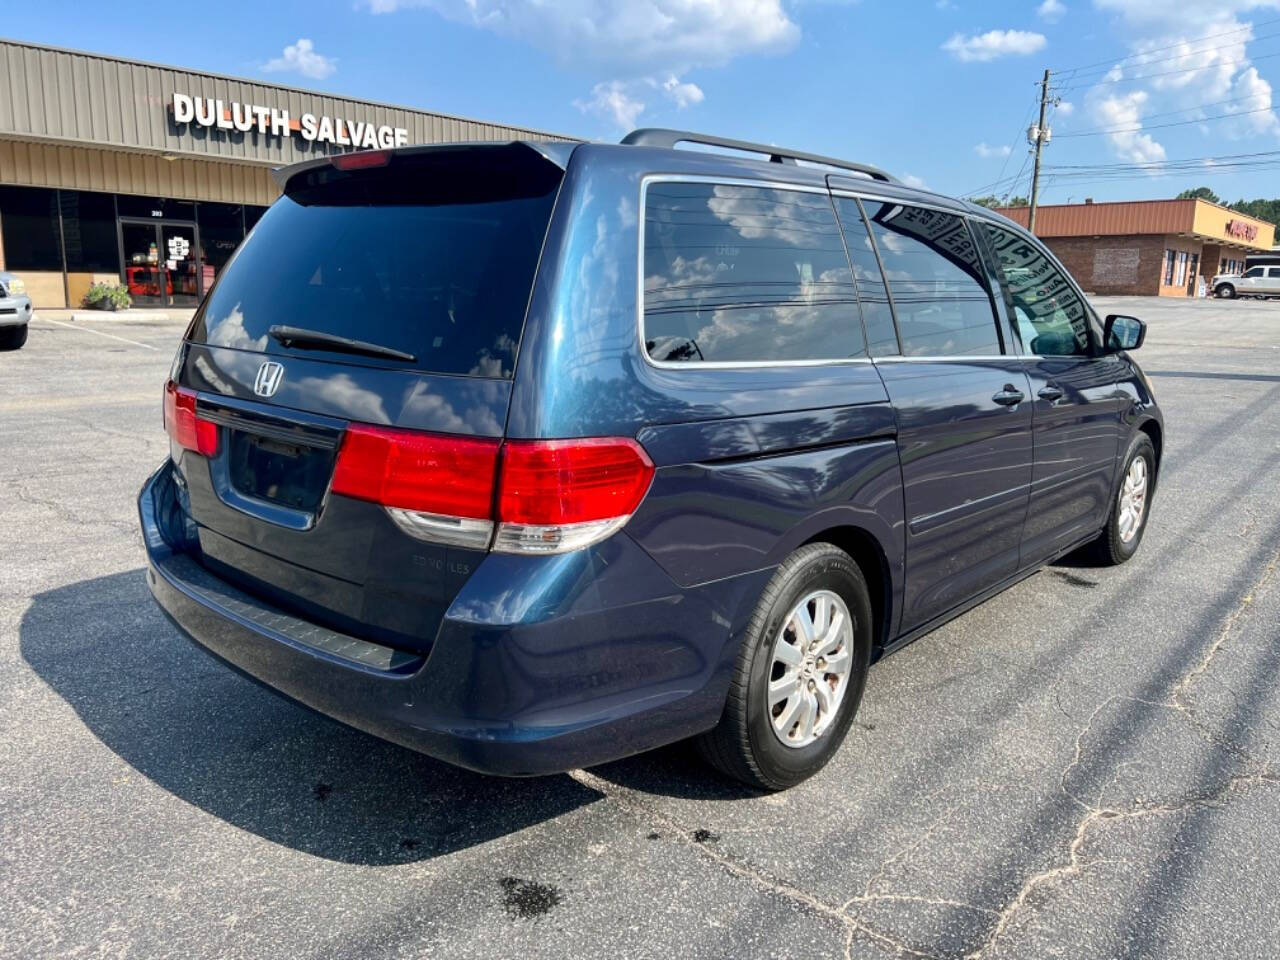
x: 809, y: 668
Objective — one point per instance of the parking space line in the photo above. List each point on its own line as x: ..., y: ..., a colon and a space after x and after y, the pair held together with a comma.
x: 109, y: 336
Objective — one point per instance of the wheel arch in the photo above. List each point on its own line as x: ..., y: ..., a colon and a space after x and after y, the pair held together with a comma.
x: 1151, y: 427
x: 871, y: 559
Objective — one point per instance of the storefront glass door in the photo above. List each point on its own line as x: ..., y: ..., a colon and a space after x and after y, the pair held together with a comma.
x: 160, y: 262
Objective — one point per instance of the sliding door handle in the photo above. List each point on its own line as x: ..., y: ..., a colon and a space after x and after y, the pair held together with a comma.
x: 1009, y: 397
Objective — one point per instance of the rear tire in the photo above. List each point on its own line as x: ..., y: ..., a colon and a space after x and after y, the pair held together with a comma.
x: 12, y: 338
x: 748, y: 744
x: 1224, y: 291
x: 1121, y: 537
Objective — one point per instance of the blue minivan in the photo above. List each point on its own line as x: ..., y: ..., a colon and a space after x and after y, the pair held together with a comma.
x: 531, y: 456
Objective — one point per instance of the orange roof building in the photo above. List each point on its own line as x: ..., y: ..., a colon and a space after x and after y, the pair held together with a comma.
x: 1148, y: 247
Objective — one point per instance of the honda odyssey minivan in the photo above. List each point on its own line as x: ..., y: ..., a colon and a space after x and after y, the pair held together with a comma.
x: 530, y: 456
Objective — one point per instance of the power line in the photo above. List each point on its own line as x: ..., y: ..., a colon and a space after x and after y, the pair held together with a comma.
x: 1116, y: 61
x: 1230, y: 163
x: 1170, y: 73
x: 1162, y: 126
x: 1180, y: 56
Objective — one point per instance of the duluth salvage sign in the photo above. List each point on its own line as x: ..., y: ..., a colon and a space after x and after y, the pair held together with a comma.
x: 244, y: 117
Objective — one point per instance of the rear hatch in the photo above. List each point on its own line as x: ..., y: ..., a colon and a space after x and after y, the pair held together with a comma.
x: 386, y: 290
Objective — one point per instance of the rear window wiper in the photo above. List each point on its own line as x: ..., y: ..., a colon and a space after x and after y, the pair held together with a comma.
x: 305, y: 339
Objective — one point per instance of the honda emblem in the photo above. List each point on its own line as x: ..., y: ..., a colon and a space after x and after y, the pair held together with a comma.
x: 268, y: 380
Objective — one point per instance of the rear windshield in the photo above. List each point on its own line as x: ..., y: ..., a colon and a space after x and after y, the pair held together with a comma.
x: 432, y: 255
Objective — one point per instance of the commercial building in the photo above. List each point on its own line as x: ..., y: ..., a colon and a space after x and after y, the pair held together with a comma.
x: 121, y: 171
x: 1148, y: 247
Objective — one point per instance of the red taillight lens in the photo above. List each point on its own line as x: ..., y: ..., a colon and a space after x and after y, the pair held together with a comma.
x: 361, y: 160
x: 553, y: 482
x: 181, y: 422
x: 446, y: 475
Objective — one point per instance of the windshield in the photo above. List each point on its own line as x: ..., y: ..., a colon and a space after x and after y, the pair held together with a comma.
x: 431, y: 256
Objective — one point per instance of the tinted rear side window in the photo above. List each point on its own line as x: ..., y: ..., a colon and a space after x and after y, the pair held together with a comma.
x: 738, y: 273
x: 432, y: 255
x: 936, y: 279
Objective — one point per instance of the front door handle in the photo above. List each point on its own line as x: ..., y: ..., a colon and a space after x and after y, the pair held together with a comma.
x: 1050, y: 393
x: 1009, y: 397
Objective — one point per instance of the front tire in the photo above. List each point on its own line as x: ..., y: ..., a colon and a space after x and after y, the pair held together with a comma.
x: 12, y: 338
x: 1130, y: 507
x: 1225, y: 291
x: 800, y: 673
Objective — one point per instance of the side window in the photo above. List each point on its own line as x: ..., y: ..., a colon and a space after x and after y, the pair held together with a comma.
x: 1253, y: 272
x: 936, y: 280
x: 1052, y: 319
x: 734, y: 273
x: 1273, y: 273
x: 882, y: 338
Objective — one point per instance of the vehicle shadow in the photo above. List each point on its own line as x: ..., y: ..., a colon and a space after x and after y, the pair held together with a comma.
x: 255, y: 760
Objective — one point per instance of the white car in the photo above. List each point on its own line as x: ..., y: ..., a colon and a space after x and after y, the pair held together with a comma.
x: 15, y: 312
x: 1254, y: 282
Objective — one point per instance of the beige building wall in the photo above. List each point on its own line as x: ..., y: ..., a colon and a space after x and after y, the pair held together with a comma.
x: 118, y: 171
x: 45, y: 288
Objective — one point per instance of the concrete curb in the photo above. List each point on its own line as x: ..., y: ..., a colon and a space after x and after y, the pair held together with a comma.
x: 155, y: 316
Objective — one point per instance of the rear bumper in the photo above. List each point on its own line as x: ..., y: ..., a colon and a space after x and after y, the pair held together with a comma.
x: 15, y: 311
x: 542, y: 664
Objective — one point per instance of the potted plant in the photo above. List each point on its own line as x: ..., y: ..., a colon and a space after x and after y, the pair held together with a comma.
x: 105, y: 296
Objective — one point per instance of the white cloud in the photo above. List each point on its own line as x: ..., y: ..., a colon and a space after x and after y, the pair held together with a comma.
x: 301, y: 57
x: 994, y: 44
x: 1190, y: 73
x: 683, y: 94
x: 647, y: 45
x: 987, y: 152
x: 611, y: 101
x: 911, y: 180
x: 1124, y: 112
x: 1052, y: 10
x: 1066, y: 108
x: 637, y: 37
x: 1156, y: 12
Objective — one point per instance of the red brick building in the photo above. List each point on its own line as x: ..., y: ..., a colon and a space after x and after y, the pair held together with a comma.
x: 1148, y: 247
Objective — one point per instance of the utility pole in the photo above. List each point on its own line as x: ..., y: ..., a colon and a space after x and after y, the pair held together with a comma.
x: 1039, y: 136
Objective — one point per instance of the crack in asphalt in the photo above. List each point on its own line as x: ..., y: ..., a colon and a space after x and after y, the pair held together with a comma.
x: 65, y: 513
x: 1095, y: 813
x: 758, y: 877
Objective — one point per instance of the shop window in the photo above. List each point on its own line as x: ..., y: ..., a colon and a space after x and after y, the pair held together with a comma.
x: 1168, y: 268
x: 1182, y: 268
x: 29, y: 220
x: 89, y: 231
x: 251, y: 216
x: 221, y: 230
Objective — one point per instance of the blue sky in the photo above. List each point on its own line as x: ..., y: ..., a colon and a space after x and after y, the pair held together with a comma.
x: 935, y: 90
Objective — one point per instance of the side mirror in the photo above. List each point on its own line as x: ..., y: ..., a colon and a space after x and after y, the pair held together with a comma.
x: 1123, y: 333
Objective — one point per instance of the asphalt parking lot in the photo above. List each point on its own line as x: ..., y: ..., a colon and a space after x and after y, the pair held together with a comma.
x: 1085, y: 766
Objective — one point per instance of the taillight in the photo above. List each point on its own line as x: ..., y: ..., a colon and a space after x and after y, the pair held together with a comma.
x: 181, y: 423
x: 361, y: 160
x: 435, y: 487
x: 558, y: 495
x: 547, y: 496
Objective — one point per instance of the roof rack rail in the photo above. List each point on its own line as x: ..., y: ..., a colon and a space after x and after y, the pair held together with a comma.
x: 662, y: 137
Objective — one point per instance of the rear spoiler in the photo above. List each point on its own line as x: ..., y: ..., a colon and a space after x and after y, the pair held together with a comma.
x: 556, y: 152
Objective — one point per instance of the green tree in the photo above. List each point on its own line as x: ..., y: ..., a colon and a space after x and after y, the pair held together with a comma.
x: 1268, y: 210
x: 1199, y: 193
x: 993, y: 202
